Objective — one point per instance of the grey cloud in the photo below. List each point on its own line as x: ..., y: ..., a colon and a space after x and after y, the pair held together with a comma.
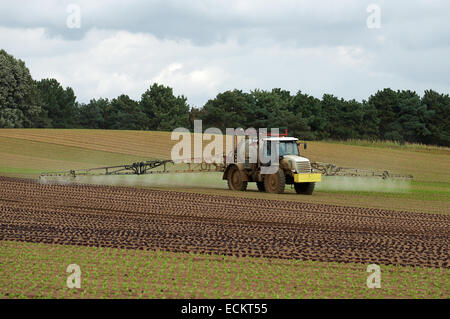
x: 315, y: 46
x: 202, y: 22
x: 305, y: 23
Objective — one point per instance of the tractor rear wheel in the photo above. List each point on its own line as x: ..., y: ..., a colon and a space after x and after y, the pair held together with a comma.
x: 304, y: 188
x: 260, y: 186
x: 235, y: 181
x: 275, y: 183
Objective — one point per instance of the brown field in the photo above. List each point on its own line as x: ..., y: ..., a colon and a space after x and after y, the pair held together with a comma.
x: 180, y: 222
x: 415, y: 201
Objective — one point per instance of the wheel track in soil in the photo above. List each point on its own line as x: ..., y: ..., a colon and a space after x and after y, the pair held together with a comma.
x: 124, y: 217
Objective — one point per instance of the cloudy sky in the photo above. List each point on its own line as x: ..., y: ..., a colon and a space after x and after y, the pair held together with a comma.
x: 350, y: 48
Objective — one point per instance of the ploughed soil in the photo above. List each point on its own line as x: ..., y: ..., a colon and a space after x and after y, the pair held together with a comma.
x: 132, y: 218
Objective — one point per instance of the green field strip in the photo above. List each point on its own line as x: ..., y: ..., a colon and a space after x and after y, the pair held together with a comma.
x: 15, y: 170
x: 39, y: 271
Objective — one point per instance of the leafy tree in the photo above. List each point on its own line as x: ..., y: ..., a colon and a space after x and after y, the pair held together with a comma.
x: 58, y: 103
x: 92, y: 114
x: 164, y: 111
x: 343, y: 118
x: 278, y: 108
x: 11, y: 117
x: 351, y: 120
x: 386, y: 104
x: 297, y: 126
x: 227, y: 110
x: 285, y: 98
x: 19, y: 106
x: 439, y: 117
x: 369, y: 127
x: 125, y: 114
x: 411, y: 118
x: 271, y: 109
x: 310, y: 109
x: 402, y: 115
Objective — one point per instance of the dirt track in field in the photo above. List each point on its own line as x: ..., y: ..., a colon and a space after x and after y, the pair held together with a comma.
x: 183, y: 222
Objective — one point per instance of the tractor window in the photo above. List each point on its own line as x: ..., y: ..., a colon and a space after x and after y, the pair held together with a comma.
x: 288, y: 148
x: 285, y: 148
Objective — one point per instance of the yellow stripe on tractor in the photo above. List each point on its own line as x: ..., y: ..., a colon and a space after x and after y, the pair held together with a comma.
x: 307, y: 178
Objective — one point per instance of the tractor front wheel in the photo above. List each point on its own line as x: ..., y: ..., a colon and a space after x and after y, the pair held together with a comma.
x: 235, y: 180
x: 304, y: 188
x: 275, y: 183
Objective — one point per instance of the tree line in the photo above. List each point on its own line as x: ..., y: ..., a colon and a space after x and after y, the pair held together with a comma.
x: 402, y: 116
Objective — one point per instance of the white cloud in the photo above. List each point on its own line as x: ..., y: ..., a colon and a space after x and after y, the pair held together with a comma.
x: 205, y: 81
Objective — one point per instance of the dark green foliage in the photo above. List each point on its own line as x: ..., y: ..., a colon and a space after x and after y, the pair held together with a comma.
x: 385, y: 102
x: 410, y: 122
x: 19, y: 105
x: 309, y: 109
x: 388, y: 115
x: 343, y: 118
x: 164, y: 111
x: 92, y: 114
x: 228, y: 107
x: 438, y: 122
x: 351, y: 119
x: 58, y: 103
x: 404, y: 116
x: 369, y: 127
x: 291, y: 117
x: 124, y: 113
x: 271, y: 109
x: 257, y: 109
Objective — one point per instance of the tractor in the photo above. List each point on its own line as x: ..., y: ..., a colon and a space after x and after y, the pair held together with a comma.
x: 290, y: 168
x: 293, y: 169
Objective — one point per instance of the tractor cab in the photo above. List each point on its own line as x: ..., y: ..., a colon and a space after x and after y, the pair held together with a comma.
x: 289, y: 154
x: 286, y: 145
